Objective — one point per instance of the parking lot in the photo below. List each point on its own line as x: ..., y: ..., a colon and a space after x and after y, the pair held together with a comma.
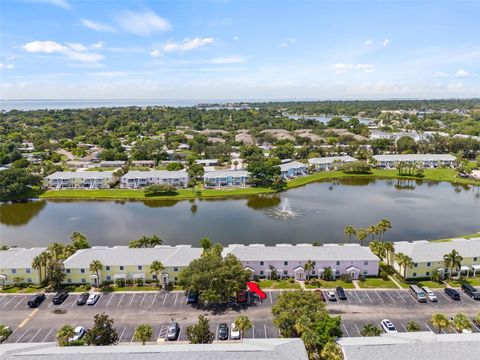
x: 159, y: 308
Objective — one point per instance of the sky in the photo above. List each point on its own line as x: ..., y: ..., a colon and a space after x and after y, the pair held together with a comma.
x: 71, y: 49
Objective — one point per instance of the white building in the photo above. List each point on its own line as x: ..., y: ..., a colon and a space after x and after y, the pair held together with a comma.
x: 293, y: 169
x: 330, y: 162
x: 112, y: 163
x: 17, y: 263
x: 207, y: 162
x: 289, y: 260
x: 226, y: 178
x: 425, y: 160
x: 79, y: 180
x: 139, y: 179
x: 143, y: 163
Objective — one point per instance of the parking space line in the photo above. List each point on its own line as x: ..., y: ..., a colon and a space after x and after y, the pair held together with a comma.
x: 270, y: 295
x: 123, y: 295
x: 354, y: 292
x: 160, y: 333
x: 133, y: 297
x: 176, y: 297
x: 346, y: 331
x: 123, y: 332
x: 153, y: 301
x: 20, y: 338
x: 253, y: 331
x: 401, y: 297
x: 387, y: 292
x: 179, y: 332
x: 9, y: 301
x: 143, y: 298
x: 356, y: 327
x: 404, y: 328
x: 46, y: 337
x: 383, y: 302
x: 216, y: 333
x: 428, y: 327
x: 73, y: 303
x: 165, y: 299
x: 445, y: 296
x: 111, y: 297
x: 35, y: 335
x: 366, y: 293
x: 21, y: 301
x: 265, y: 328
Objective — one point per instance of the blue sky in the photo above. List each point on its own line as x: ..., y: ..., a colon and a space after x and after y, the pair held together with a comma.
x: 67, y: 49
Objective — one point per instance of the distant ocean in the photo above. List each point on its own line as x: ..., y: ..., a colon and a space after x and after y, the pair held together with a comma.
x: 7, y: 105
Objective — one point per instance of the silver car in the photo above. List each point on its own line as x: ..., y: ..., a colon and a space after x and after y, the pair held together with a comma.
x: 430, y: 294
x: 92, y: 299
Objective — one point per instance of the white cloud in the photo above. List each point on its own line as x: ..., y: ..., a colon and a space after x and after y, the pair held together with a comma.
x: 343, y: 68
x: 368, y: 42
x: 98, y: 45
x: 74, y: 51
x: 142, y: 23
x: 6, y: 66
x: 462, y: 73
x: 182, y: 46
x: 235, y: 38
x: 385, y: 42
x: 440, y: 74
x: 97, y: 26
x: 228, y: 60
x: 288, y: 41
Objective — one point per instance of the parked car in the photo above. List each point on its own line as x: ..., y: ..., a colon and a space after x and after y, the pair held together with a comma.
x: 454, y: 294
x: 331, y: 296
x: 60, y: 297
x: 79, y: 333
x: 192, y: 297
x: 35, y: 300
x: 430, y: 294
x: 234, y: 332
x: 92, y: 299
x: 173, y: 331
x: 341, y: 293
x: 471, y: 291
x: 82, y: 299
x: 223, y: 331
x: 388, y: 326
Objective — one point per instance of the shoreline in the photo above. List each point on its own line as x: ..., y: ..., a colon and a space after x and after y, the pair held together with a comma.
x: 435, y: 175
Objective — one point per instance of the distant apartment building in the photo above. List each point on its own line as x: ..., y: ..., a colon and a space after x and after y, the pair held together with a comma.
x: 143, y: 163
x: 79, y: 180
x: 293, y: 169
x: 330, y: 162
x: 139, y: 179
x: 226, y: 178
x: 424, y: 160
x: 17, y: 263
x: 112, y: 163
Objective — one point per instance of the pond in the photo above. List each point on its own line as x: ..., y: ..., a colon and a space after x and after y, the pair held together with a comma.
x: 319, y: 212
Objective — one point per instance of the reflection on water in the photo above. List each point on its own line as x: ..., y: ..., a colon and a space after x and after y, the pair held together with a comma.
x: 417, y: 210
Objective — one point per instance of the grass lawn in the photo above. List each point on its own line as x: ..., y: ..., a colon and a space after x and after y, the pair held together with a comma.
x: 430, y: 284
x: 331, y: 285
x: 278, y: 284
x: 371, y: 283
x: 26, y: 290
x: 135, y: 288
x: 474, y: 281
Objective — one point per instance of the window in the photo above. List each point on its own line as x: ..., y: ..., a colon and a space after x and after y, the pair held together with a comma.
x: 29, y: 280
x: 175, y: 268
x: 414, y: 274
x: 261, y: 263
x: 474, y: 259
x: 108, y: 277
x: 365, y: 272
x: 28, y: 271
x: 285, y: 272
x: 427, y: 273
x: 82, y: 271
x: 121, y: 267
x: 261, y: 272
x: 68, y: 271
x: 415, y: 265
x: 365, y: 263
x: 338, y: 262
x: 337, y: 272
x: 428, y: 264
x: 313, y: 272
x: 314, y: 263
x: 140, y: 267
x: 14, y: 271
x: 176, y: 278
x: 107, y: 268
x: 83, y: 280
x: 154, y: 277
x: 69, y: 281
x: 285, y: 263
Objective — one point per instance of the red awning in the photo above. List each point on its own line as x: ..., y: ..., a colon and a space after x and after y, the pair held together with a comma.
x: 256, y: 289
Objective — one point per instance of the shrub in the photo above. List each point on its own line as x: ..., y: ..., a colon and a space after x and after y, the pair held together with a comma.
x: 139, y: 282
x: 159, y: 189
x: 346, y: 278
x: 361, y: 277
x: 356, y: 167
x: 383, y: 275
x: 120, y: 282
x: 87, y: 287
x: 291, y: 280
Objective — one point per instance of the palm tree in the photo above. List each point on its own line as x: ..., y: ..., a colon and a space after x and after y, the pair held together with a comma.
x: 331, y: 351
x: 440, y: 321
x: 155, y: 268
x: 372, y: 230
x: 404, y: 262
x: 56, y: 250
x: 243, y: 323
x: 206, y: 244
x: 41, y: 261
x: 143, y: 333
x: 390, y: 252
x: 361, y: 235
x: 384, y: 225
x: 412, y: 326
x: 370, y: 330
x: 63, y: 334
x: 155, y: 240
x: 308, y: 267
x: 461, y: 321
x: 310, y: 338
x: 349, y: 231
x: 95, y: 267
x: 37, y: 265
x: 452, y: 261
x: 377, y: 248
x: 144, y: 241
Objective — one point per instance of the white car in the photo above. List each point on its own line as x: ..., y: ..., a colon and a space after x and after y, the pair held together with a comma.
x: 430, y: 294
x: 331, y: 296
x: 79, y: 333
x: 388, y: 326
x: 234, y: 332
x: 92, y: 299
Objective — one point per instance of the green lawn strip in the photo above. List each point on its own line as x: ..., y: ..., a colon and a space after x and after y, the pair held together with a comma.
x: 474, y: 281
x: 21, y: 290
x: 430, y: 284
x: 372, y: 283
x: 331, y: 285
x: 280, y: 284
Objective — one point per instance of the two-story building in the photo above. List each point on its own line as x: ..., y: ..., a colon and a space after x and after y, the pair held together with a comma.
x: 79, y: 180
x: 330, y: 162
x: 17, y: 263
x: 424, y: 160
x: 293, y: 169
x: 139, y: 179
x: 226, y: 178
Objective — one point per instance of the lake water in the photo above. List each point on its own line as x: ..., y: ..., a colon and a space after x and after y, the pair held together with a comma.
x: 417, y: 211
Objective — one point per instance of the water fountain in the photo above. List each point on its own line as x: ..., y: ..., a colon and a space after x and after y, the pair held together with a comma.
x: 284, y: 211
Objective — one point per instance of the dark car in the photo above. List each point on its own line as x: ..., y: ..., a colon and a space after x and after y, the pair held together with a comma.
x: 60, y: 297
x: 454, y: 294
x: 35, y: 300
x: 223, y: 331
x: 341, y: 293
x: 192, y: 297
x: 82, y: 299
x: 173, y: 331
x: 471, y: 291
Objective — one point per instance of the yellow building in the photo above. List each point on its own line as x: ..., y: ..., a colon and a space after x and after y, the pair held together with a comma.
x: 122, y: 262
x: 427, y: 256
x: 17, y: 263
x: 79, y: 180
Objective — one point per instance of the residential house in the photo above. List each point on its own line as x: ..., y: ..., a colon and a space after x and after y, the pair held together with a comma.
x: 293, y: 169
x: 226, y: 178
x: 78, y: 164
x: 139, y: 179
x: 143, y: 163
x: 112, y: 163
x: 17, y: 262
x: 330, y: 162
x: 79, y: 180
x: 427, y: 256
x: 207, y: 162
x: 424, y: 160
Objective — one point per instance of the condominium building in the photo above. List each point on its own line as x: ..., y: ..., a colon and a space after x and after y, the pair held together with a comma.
x: 143, y: 163
x: 293, y: 169
x: 79, y: 180
x: 139, y: 179
x: 427, y: 256
x: 112, y: 163
x: 424, y: 160
x: 226, y: 178
x: 330, y: 162
x: 17, y: 263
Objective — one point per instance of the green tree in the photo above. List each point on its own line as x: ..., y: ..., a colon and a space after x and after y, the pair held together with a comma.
x: 79, y: 241
x: 440, y: 321
x: 460, y: 322
x: 159, y: 190
x: 389, y: 252
x: 155, y: 268
x: 5, y: 332
x: 64, y: 334
x: 412, y: 326
x: 263, y: 171
x: 361, y: 235
x: 206, y: 244
x: 378, y: 248
x: 452, y: 261
x: 200, y: 333
x: 308, y: 267
x: 143, y: 333
x: 102, y: 333
x: 95, y: 267
x: 383, y: 226
x: 243, y: 323
x: 436, y: 276
x: 16, y: 184
x: 370, y: 330
x: 404, y: 262
x: 55, y: 274
x: 331, y: 351
x: 174, y: 166
x: 349, y: 231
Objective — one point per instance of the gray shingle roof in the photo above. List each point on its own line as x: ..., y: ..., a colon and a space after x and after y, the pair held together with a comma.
x: 226, y: 173
x: 424, y: 251
x: 81, y: 175
x: 18, y: 258
x: 415, y: 157
x: 248, y: 349
x: 331, y: 159
x: 162, y: 174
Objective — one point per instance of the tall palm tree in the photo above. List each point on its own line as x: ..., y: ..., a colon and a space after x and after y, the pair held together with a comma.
x: 452, y: 261
x: 440, y: 321
x: 206, y: 244
x: 144, y: 241
x: 37, y: 265
x: 361, y: 235
x: 155, y: 268
x: 389, y: 252
x: 372, y: 230
x: 461, y: 321
x: 404, y: 262
x: 308, y: 267
x: 63, y: 334
x: 155, y: 240
x: 385, y: 225
x: 56, y: 250
x: 377, y: 248
x: 370, y: 330
x: 95, y: 267
x: 349, y: 231
x: 143, y: 333
x: 43, y: 259
x: 243, y: 323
